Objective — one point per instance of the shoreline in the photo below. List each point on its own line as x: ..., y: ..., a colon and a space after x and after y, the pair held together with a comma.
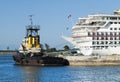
x: 6, y: 52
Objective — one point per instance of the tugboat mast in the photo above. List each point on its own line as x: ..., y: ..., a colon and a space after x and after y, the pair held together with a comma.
x: 32, y: 30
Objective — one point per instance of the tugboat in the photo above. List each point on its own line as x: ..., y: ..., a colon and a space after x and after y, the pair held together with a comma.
x: 30, y: 52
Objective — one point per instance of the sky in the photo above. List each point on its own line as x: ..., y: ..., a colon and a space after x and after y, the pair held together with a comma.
x: 51, y: 15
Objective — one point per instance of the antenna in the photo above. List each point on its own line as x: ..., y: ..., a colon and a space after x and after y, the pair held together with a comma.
x: 31, y: 19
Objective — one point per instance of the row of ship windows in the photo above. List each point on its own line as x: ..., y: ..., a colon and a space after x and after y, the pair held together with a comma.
x: 111, y: 18
x: 103, y: 33
x: 106, y: 42
x: 114, y: 28
x: 96, y: 47
x: 114, y: 22
x: 101, y: 47
x: 105, y: 38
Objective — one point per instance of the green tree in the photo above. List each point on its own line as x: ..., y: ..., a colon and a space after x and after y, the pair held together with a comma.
x: 53, y: 50
x: 47, y: 46
x: 66, y: 47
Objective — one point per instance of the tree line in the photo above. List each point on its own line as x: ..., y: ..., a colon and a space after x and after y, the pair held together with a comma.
x: 47, y: 48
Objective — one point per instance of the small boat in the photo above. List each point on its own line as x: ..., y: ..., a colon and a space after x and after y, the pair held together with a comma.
x: 30, y: 52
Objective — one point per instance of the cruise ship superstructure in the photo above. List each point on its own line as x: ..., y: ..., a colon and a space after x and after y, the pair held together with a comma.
x: 97, y: 34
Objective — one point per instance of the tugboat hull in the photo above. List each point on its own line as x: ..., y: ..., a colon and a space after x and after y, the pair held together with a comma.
x: 40, y: 61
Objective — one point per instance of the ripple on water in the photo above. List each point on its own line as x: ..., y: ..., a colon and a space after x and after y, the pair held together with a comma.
x: 11, y: 73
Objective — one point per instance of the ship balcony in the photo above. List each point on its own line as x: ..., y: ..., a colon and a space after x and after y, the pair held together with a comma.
x: 90, y: 23
x: 86, y: 26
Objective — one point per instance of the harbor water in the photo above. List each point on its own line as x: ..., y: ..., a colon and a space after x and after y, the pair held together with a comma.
x: 12, y: 73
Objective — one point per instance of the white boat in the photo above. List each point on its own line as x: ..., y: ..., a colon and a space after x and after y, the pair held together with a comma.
x: 97, y: 34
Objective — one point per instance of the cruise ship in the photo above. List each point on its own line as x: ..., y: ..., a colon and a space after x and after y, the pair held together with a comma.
x: 97, y: 34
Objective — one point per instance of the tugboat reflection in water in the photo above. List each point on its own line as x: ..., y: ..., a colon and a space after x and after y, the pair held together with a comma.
x: 31, y: 74
x: 30, y: 51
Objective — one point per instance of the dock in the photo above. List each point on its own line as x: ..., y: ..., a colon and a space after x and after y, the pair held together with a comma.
x: 94, y: 60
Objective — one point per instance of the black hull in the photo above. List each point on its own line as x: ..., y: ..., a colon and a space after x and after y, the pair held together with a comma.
x: 40, y: 61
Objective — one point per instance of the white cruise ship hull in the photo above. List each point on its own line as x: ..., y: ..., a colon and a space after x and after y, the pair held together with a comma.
x: 90, y: 50
x: 108, y: 51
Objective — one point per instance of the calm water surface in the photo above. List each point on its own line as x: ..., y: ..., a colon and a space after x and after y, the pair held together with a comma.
x: 12, y: 73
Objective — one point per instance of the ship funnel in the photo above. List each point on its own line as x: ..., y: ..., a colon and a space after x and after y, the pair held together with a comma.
x: 117, y: 12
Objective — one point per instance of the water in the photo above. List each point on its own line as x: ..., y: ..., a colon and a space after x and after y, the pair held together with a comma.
x: 12, y: 73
